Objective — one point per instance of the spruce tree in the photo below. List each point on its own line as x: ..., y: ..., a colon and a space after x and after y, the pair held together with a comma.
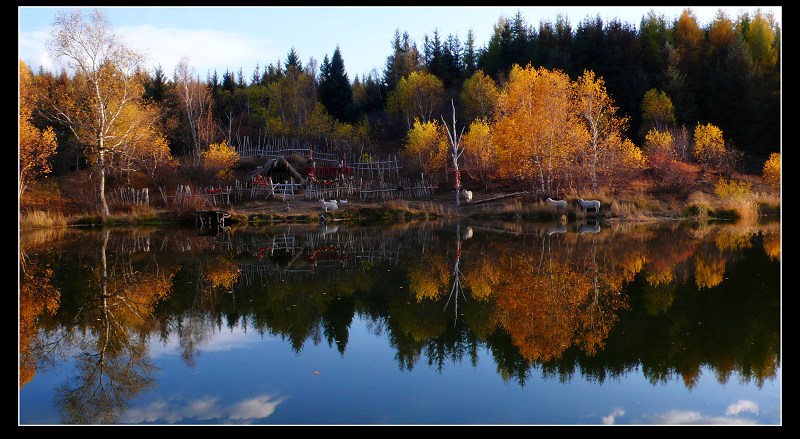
x: 335, y: 91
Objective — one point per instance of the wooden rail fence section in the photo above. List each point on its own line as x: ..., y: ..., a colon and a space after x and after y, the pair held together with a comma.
x: 128, y: 196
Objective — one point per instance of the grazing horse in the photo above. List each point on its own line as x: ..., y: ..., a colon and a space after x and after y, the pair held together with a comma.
x: 558, y: 204
x: 589, y: 204
x: 329, y: 205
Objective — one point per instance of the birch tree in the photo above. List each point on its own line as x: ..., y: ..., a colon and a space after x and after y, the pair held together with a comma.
x: 417, y: 96
x: 604, y: 128
x: 195, y: 102
x: 106, y: 82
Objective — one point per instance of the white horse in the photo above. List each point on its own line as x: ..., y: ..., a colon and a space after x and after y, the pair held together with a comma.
x: 589, y: 204
x: 558, y: 204
x: 467, y: 195
x: 329, y: 205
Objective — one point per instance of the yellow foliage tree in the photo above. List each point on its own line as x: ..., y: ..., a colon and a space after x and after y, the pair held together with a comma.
x: 429, y: 280
x: 427, y: 142
x: 222, y: 274
x: 709, y: 145
x: 760, y: 37
x: 772, y: 171
x: 35, y: 146
x: 219, y: 160
x: 657, y: 110
x: 709, y: 270
x: 417, y: 96
x: 481, y: 152
x: 659, y: 145
x: 479, y: 95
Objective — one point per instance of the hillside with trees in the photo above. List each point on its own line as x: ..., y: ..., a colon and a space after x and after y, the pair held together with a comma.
x: 664, y: 105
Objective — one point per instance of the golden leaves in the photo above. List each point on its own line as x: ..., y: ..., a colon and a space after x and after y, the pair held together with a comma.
x: 427, y: 142
x: 219, y: 160
x: 37, y: 297
x: 35, y: 146
x: 772, y: 171
x: 709, y: 145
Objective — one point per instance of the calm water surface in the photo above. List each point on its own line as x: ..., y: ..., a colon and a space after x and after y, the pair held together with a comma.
x: 467, y: 324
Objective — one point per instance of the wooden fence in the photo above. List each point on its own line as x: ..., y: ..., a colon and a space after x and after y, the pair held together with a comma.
x: 185, y: 196
x: 392, y: 190
x: 128, y: 196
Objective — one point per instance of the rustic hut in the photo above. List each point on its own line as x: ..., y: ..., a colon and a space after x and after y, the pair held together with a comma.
x: 280, y: 170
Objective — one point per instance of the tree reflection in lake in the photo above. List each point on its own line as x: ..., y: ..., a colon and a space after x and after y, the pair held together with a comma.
x: 600, y: 300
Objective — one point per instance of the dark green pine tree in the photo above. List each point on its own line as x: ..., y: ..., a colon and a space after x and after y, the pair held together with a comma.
x: 228, y: 81
x: 156, y: 86
x: 335, y: 91
x: 470, y: 55
x: 293, y: 60
x: 213, y: 82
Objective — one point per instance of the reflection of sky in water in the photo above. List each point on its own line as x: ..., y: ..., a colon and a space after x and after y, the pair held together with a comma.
x: 241, y: 377
x: 221, y: 340
x: 207, y: 408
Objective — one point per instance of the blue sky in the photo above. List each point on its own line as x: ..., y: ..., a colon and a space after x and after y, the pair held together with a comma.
x: 230, y: 38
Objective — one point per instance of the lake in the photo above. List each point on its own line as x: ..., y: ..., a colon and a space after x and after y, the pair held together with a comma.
x: 431, y: 323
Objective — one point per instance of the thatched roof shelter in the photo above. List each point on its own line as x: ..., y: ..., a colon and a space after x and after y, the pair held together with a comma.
x: 280, y: 170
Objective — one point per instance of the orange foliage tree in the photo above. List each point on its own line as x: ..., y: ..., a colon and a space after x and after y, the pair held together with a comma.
x: 604, y: 127
x: 35, y: 146
x: 537, y: 127
x: 37, y: 297
x: 772, y: 171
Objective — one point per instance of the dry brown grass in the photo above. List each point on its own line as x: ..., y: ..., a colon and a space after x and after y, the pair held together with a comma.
x: 41, y: 220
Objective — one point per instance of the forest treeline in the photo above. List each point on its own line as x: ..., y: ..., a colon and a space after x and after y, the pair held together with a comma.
x: 620, y: 85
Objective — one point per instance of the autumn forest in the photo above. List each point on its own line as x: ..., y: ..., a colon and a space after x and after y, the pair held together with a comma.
x: 544, y: 108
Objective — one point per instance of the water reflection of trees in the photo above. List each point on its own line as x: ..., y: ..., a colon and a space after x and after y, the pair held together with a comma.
x: 106, y: 326
x: 547, y: 300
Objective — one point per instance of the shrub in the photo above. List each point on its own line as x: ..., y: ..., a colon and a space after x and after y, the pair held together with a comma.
x: 772, y: 171
x: 709, y: 145
x: 672, y: 176
x: 219, y: 161
x: 732, y: 189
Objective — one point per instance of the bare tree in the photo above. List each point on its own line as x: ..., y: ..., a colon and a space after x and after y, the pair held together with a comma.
x: 195, y: 102
x: 456, y: 151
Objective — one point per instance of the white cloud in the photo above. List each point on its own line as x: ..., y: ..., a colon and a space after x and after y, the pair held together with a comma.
x: 678, y: 417
x: 257, y: 408
x: 32, y: 50
x: 741, y: 406
x: 170, y: 412
x: 610, y: 419
x: 212, y: 340
x: 207, y: 49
